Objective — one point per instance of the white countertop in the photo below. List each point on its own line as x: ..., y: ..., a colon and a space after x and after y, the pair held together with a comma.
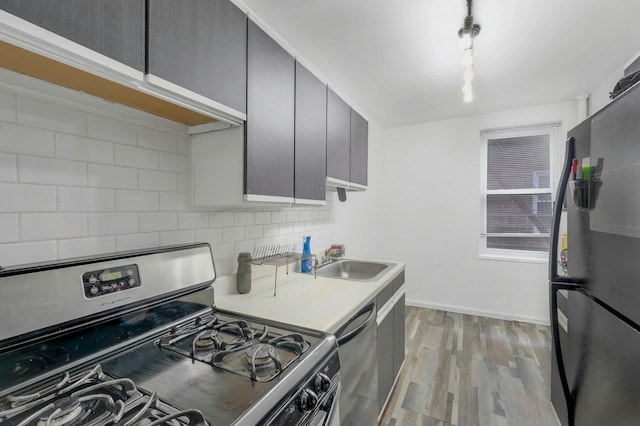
x: 321, y: 303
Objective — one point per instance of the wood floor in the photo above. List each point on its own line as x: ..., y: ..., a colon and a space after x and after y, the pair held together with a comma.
x: 467, y: 370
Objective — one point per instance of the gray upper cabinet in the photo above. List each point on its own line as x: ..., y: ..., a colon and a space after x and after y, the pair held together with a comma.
x: 359, y: 148
x: 347, y: 144
x: 338, y: 137
x: 200, y: 45
x: 269, y: 137
x: 310, y: 136
x: 114, y: 28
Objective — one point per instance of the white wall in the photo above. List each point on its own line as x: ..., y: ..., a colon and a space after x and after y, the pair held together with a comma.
x: 360, y: 222
x: 424, y: 208
x: 80, y: 176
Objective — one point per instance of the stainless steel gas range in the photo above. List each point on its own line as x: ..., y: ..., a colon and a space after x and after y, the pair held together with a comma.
x: 135, y: 339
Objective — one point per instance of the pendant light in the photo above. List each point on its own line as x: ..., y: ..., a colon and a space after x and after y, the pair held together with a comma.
x: 467, y: 33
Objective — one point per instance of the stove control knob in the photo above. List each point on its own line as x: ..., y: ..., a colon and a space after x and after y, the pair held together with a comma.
x: 308, y: 400
x: 322, y: 383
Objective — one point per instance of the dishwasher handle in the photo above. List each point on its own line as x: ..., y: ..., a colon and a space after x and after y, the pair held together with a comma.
x: 371, y: 310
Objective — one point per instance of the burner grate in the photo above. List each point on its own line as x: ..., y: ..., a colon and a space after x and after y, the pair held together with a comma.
x: 93, y: 399
x: 236, y: 346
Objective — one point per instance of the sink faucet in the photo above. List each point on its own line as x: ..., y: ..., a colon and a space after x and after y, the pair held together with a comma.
x: 327, y: 258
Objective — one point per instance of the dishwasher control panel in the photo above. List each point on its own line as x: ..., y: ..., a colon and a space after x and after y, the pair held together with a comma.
x: 108, y: 281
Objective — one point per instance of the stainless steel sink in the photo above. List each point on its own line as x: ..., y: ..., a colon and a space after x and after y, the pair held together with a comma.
x: 356, y: 270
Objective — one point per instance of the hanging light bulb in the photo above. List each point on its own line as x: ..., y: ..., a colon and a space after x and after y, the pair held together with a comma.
x: 468, y: 74
x: 467, y: 58
x: 467, y: 33
x: 465, y: 41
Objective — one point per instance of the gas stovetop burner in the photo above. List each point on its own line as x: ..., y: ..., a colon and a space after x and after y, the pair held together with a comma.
x: 64, y: 411
x: 236, y: 346
x: 92, y: 399
x: 207, y: 340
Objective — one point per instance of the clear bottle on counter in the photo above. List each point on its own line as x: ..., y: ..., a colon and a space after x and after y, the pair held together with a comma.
x: 244, y: 273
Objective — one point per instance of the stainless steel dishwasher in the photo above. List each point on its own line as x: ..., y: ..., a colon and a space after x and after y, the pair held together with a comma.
x: 357, y: 346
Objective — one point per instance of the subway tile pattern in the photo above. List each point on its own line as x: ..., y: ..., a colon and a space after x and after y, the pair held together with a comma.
x: 78, y: 181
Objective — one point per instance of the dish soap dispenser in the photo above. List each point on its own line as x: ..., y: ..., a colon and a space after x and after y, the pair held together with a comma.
x: 305, y: 264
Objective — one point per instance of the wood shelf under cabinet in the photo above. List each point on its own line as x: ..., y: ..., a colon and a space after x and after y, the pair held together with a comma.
x: 37, y: 66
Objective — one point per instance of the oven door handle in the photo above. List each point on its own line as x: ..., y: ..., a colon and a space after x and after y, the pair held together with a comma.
x: 330, y: 407
x: 371, y: 309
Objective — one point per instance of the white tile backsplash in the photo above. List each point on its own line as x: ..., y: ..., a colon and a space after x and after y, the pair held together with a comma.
x: 156, y: 139
x: 76, y: 182
x: 27, y: 198
x: 52, y: 226
x: 81, y: 148
x: 51, y: 171
x: 112, y: 130
x: 112, y: 176
x: 8, y: 167
x: 174, y: 201
x: 220, y: 219
x: 262, y: 218
x: 243, y: 218
x: 159, y: 221
x: 26, y: 140
x: 232, y: 234
x: 174, y: 163
x: 184, y: 145
x: 278, y: 217
x: 137, y: 241
x: 19, y: 253
x: 176, y: 237
x: 157, y: 181
x: 193, y: 220
x: 8, y: 106
x: 79, y: 199
x: 184, y: 182
x: 47, y: 115
x: 86, y: 246
x: 136, y: 157
x: 8, y: 228
x: 113, y: 223
x: 210, y: 235
x: 134, y: 201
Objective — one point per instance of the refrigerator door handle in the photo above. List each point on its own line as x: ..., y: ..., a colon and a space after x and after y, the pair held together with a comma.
x: 557, y: 208
x: 569, y: 395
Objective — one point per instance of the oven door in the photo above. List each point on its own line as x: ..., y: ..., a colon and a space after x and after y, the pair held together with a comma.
x: 328, y: 413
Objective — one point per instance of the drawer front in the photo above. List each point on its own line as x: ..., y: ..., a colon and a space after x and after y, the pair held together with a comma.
x: 391, y: 288
x: 384, y: 296
x: 398, y: 281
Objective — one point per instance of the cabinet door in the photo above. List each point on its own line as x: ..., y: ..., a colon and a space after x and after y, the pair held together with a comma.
x: 359, y: 148
x: 310, y: 136
x: 114, y: 28
x: 385, y: 359
x: 200, y: 45
x: 338, y: 137
x: 270, y: 117
x: 398, y: 335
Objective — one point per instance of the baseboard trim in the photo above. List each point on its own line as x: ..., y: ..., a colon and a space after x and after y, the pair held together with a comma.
x: 478, y: 312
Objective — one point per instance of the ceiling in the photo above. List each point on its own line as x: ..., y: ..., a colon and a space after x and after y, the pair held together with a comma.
x: 399, y: 60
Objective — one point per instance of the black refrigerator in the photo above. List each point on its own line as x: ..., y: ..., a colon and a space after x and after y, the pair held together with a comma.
x: 595, y: 303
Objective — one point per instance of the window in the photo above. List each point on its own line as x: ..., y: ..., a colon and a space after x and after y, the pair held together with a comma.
x: 517, y: 192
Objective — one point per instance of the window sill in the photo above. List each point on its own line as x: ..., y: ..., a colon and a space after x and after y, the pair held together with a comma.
x: 513, y: 258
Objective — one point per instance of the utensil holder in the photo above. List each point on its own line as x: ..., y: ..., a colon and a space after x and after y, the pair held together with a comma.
x: 585, y: 193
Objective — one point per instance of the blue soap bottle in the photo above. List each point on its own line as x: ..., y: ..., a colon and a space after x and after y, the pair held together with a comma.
x: 305, y: 264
